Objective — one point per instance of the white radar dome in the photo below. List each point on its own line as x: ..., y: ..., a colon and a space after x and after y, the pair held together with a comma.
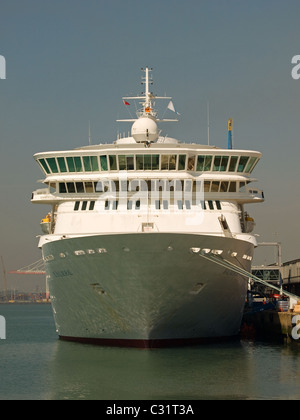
x: 144, y: 129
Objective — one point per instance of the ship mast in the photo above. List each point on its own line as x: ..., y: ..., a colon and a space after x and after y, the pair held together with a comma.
x: 147, y: 101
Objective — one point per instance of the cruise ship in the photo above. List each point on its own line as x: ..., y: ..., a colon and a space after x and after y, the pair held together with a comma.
x: 128, y: 225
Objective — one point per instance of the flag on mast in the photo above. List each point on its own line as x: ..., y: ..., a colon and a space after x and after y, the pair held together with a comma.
x: 172, y: 107
x: 125, y: 102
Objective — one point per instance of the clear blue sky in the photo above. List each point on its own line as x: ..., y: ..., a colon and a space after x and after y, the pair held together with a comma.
x: 71, y: 61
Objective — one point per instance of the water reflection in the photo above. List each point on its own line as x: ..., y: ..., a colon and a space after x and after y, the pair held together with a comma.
x: 208, y: 372
x: 34, y: 364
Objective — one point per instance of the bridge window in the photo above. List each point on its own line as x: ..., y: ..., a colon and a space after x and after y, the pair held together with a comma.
x: 191, y: 163
x: 168, y: 162
x: 90, y: 163
x: 233, y: 163
x: 252, y: 162
x: 147, y: 162
x: 126, y: 163
x: 44, y: 165
x: 220, y: 163
x: 242, y: 163
x: 181, y: 162
x: 215, y: 185
x: 204, y: 163
x: 89, y: 187
x: 62, y: 164
x: 74, y: 164
x: 71, y: 187
x: 224, y: 186
x: 79, y: 187
x: 207, y: 186
x: 103, y: 163
x: 113, y: 162
x: 232, y: 187
x: 52, y: 164
x: 62, y: 188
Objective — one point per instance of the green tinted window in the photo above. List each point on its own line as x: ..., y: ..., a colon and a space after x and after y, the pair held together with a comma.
x: 122, y: 162
x: 144, y: 162
x: 155, y: 162
x: 71, y: 164
x: 62, y: 164
x: 52, y: 163
x: 44, y: 165
x: 126, y: 163
x: 147, y: 162
x: 217, y: 163
x: 242, y: 163
x: 78, y: 164
x: 130, y: 163
x: 87, y: 163
x: 94, y: 163
x: 208, y: 162
x: 139, y: 162
x: 200, y: 163
x: 233, y: 163
x: 224, y: 163
x: 250, y: 165
x: 181, y: 162
x: 113, y: 162
x: 103, y: 163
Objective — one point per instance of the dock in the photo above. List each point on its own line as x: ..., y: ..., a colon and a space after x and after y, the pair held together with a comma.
x: 271, y: 325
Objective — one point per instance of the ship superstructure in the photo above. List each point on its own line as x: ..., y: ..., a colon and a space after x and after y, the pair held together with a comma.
x: 127, y: 223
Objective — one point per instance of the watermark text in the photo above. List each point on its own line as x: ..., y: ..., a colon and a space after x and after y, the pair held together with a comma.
x: 2, y: 328
x: 2, y: 67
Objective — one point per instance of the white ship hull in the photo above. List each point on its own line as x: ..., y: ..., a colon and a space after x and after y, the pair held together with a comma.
x: 145, y: 290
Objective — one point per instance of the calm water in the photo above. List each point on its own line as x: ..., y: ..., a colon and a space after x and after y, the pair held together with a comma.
x: 34, y: 364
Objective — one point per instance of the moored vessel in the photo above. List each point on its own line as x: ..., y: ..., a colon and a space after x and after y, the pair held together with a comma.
x: 128, y: 225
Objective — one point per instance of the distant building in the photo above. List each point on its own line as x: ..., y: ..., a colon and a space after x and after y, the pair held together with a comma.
x: 290, y: 275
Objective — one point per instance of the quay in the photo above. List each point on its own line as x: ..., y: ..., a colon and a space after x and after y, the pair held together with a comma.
x: 270, y: 325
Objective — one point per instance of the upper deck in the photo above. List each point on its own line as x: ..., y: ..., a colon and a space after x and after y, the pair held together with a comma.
x: 136, y: 158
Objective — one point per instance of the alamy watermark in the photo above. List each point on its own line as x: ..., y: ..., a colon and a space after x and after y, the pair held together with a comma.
x: 296, y: 68
x: 296, y: 329
x: 2, y: 67
x: 2, y: 328
x: 171, y: 196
